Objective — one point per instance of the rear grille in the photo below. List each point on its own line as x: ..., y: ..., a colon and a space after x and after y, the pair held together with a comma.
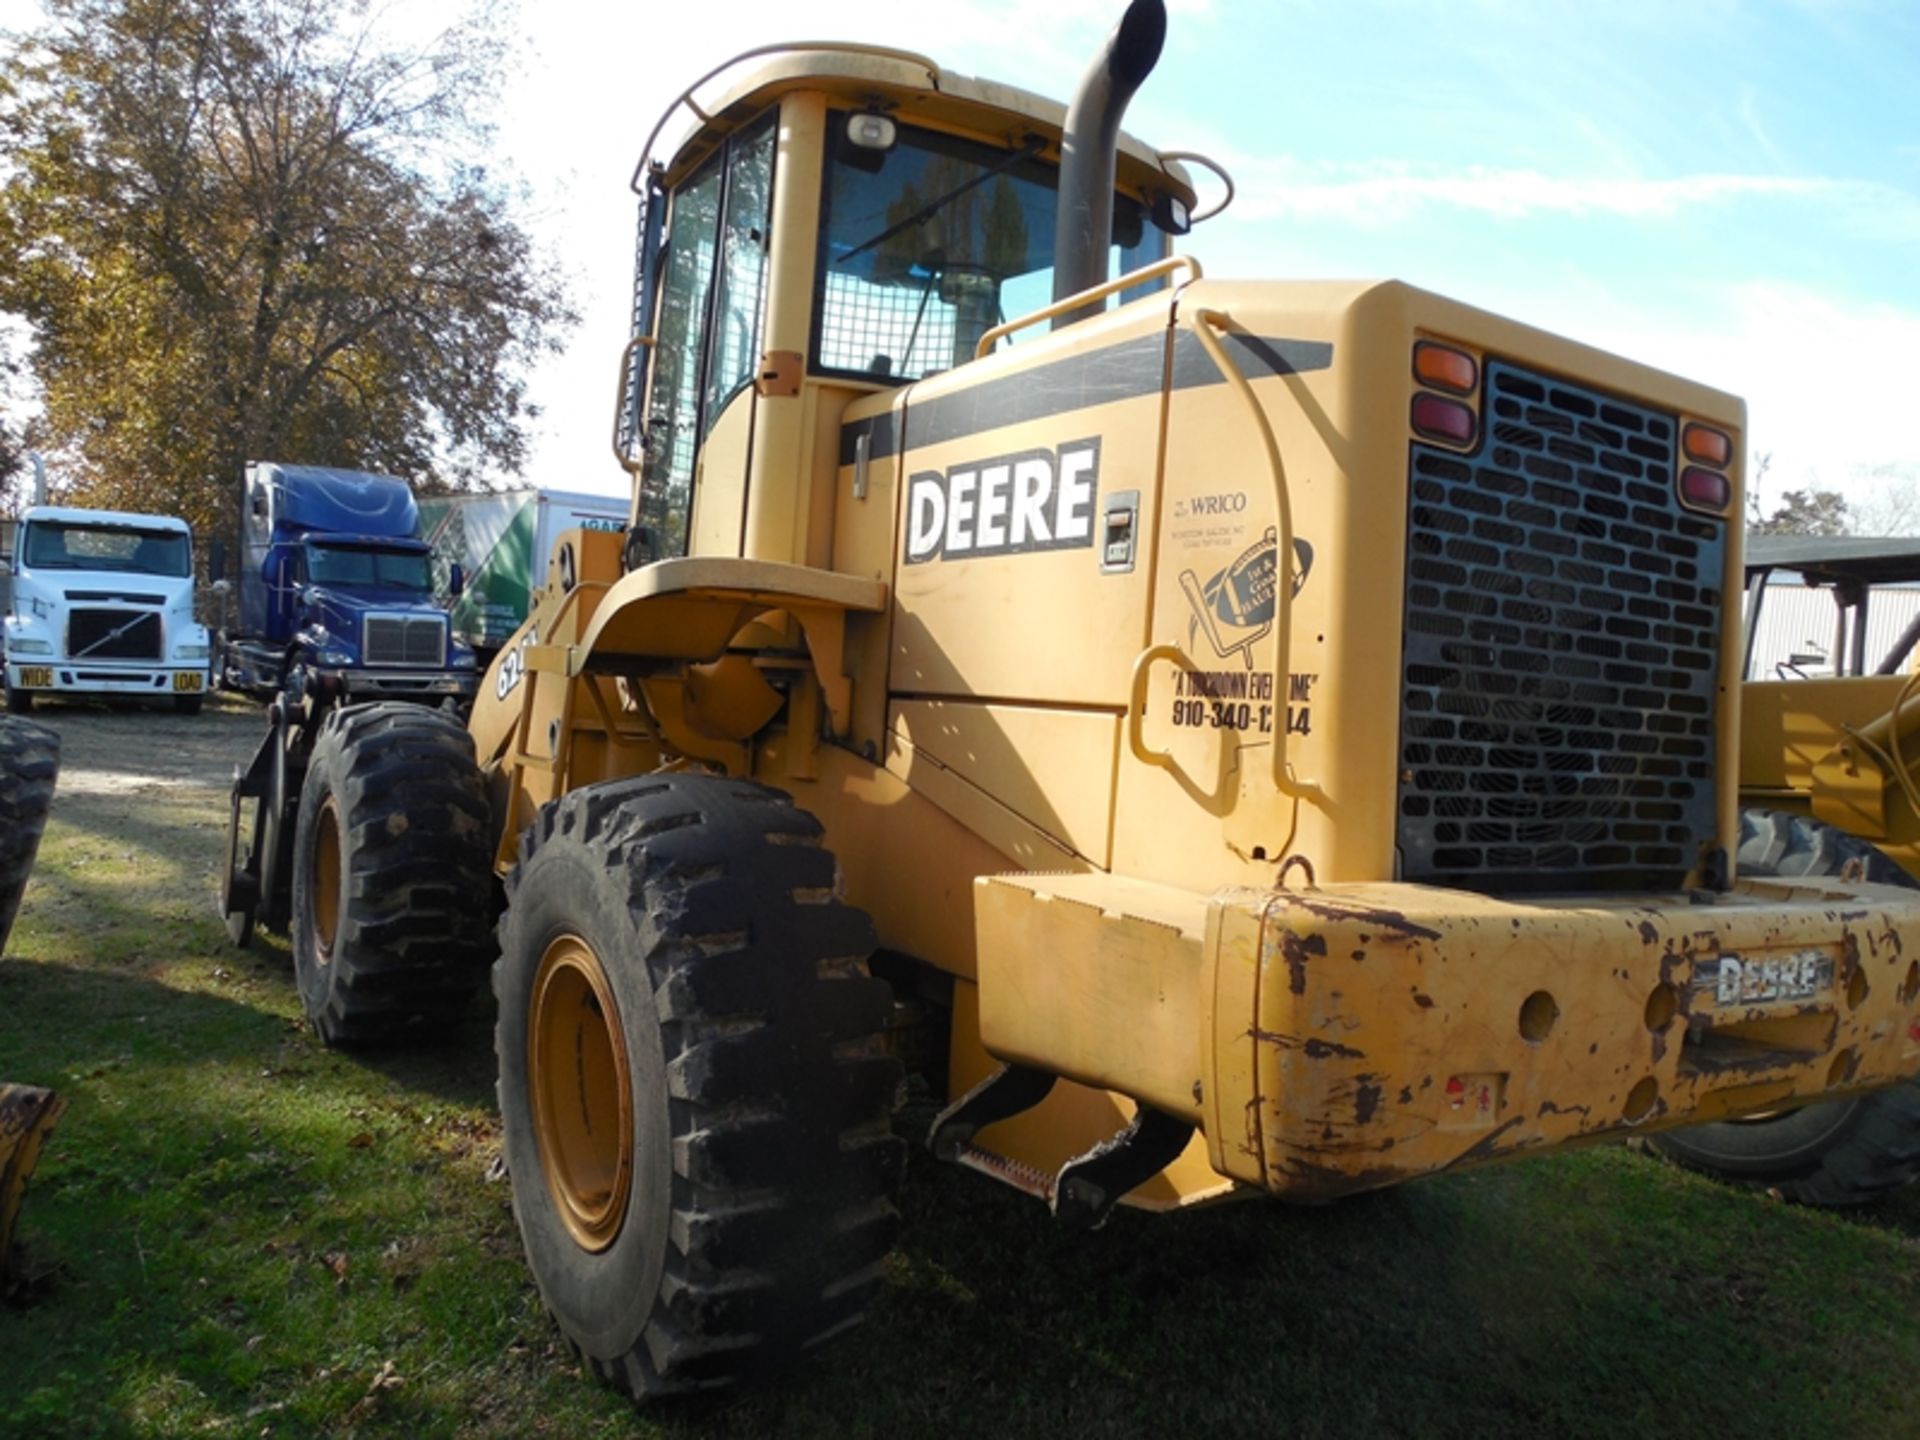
x: 88, y: 632
x: 406, y: 640
x: 1562, y: 634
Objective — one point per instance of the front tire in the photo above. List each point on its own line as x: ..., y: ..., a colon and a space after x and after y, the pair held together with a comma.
x: 1835, y: 1152
x: 695, y: 1099
x: 19, y: 702
x: 392, y: 885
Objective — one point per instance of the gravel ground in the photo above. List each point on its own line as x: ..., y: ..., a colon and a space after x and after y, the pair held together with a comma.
x: 143, y: 792
x: 109, y: 755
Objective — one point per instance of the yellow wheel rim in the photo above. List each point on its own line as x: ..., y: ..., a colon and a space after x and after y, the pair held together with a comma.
x: 582, y: 1105
x: 326, y: 880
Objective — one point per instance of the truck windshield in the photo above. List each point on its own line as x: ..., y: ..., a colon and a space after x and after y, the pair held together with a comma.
x: 929, y: 245
x: 132, y: 549
x: 361, y: 565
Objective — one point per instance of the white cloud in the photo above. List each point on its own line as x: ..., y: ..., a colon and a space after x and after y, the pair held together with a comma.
x: 1828, y: 382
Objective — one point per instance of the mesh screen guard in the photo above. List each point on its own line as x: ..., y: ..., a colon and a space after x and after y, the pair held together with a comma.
x: 1562, y: 633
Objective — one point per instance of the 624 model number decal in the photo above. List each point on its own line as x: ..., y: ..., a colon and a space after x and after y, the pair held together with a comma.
x: 513, y: 665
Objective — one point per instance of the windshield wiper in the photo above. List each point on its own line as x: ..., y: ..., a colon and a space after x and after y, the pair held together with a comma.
x: 927, y: 211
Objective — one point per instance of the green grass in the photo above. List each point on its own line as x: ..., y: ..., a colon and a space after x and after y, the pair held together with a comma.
x: 243, y: 1234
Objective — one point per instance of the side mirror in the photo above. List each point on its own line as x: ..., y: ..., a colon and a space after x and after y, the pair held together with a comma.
x: 456, y: 580
x: 217, y: 562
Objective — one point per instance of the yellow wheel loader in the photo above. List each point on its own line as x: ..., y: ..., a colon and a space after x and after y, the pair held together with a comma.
x: 1278, y: 737
x: 1827, y: 788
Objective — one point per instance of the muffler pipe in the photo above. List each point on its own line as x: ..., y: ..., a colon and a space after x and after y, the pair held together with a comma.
x: 1083, y: 230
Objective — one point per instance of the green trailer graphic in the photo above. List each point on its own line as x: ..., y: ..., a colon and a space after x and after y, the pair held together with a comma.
x: 502, y: 543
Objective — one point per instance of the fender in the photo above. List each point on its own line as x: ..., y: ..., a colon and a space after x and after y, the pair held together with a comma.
x: 659, y: 658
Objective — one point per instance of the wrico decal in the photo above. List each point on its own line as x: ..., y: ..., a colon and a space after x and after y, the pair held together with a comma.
x: 1037, y: 500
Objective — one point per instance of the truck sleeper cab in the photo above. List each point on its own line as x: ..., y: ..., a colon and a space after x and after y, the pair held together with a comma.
x: 336, y: 588
x: 102, y: 604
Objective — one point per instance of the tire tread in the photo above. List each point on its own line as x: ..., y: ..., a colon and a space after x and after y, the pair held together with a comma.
x: 29, y: 768
x: 415, y: 940
x: 784, y: 1167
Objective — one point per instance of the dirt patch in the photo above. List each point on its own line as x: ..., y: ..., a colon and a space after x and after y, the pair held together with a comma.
x: 128, y: 752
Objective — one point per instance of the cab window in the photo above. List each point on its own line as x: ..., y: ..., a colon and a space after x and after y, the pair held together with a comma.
x: 707, y: 334
x: 930, y: 244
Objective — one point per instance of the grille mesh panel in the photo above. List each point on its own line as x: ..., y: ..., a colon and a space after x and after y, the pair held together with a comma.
x: 402, y: 640
x: 139, y: 637
x: 1562, y: 630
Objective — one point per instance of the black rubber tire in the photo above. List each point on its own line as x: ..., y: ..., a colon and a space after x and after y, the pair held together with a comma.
x: 412, y: 929
x: 29, y: 765
x: 1772, y: 843
x: 19, y: 702
x: 765, y: 1167
x: 188, y: 704
x: 1840, y: 1152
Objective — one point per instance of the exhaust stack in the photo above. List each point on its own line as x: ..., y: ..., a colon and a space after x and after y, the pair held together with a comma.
x: 1083, y: 231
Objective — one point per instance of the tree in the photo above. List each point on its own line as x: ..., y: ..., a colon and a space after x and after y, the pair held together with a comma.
x: 1805, y: 512
x: 241, y: 231
x: 13, y: 446
x: 1890, y: 504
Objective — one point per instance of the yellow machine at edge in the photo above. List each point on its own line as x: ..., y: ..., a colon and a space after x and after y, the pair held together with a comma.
x: 1274, y: 736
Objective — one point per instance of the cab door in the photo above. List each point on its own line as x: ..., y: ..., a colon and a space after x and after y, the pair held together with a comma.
x: 711, y: 309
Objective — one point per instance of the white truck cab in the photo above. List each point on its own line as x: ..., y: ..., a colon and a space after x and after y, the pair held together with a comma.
x: 102, y: 604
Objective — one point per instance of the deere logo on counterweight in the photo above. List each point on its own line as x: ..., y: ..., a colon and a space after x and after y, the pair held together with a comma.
x: 1010, y: 505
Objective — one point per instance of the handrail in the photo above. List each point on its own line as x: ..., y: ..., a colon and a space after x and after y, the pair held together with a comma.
x: 1894, y: 763
x: 685, y: 97
x: 1205, y: 322
x: 1074, y: 302
x: 1137, y: 703
x: 620, y: 402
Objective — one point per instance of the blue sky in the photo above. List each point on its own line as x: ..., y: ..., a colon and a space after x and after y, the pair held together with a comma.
x: 1726, y: 189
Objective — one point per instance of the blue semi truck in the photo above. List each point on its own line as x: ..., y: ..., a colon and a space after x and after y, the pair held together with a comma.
x: 336, y: 593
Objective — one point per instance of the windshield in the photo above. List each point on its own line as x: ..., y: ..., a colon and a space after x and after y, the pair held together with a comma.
x: 931, y: 244
x: 360, y: 565
x: 132, y: 549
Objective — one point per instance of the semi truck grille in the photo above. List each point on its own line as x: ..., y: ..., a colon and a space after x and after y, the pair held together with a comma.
x: 406, y: 640
x: 1563, y: 620
x: 91, y: 634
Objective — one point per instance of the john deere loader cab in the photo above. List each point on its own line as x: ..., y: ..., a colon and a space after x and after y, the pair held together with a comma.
x: 911, y: 243
x: 1281, y: 732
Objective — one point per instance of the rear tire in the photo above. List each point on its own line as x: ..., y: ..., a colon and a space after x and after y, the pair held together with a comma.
x: 1837, y: 1152
x: 29, y: 764
x: 392, y: 884
x: 695, y: 1099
